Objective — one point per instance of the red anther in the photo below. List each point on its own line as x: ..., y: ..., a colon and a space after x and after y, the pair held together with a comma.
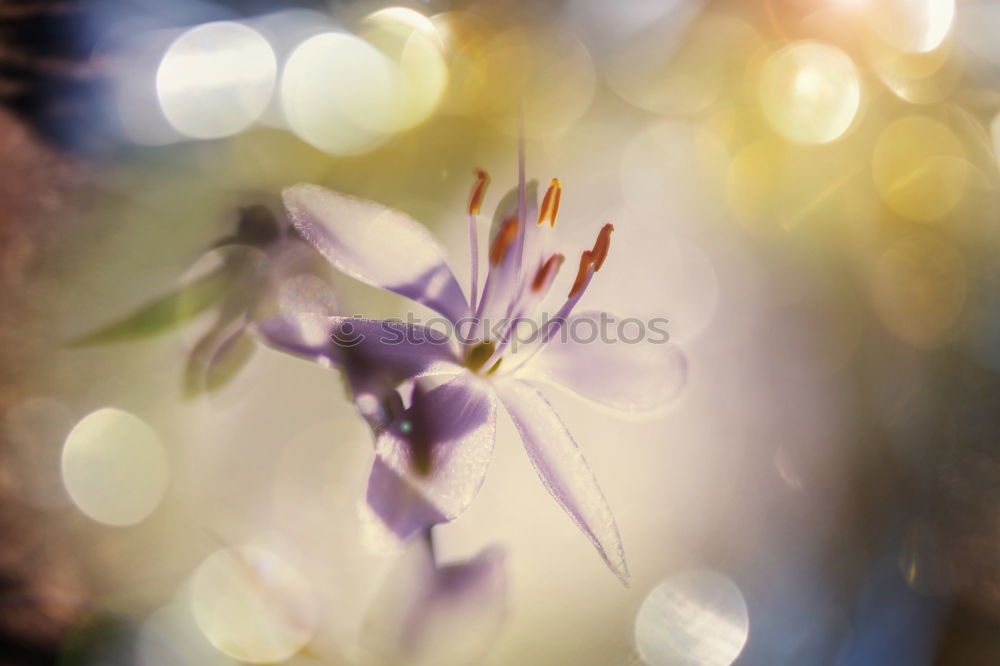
x: 546, y: 272
x: 550, y: 203
x: 478, y: 190
x: 586, y: 263
x: 602, y: 245
x: 504, y: 237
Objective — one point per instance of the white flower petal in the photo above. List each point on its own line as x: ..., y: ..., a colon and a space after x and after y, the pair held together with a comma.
x: 563, y: 469
x: 609, y: 367
x: 376, y: 245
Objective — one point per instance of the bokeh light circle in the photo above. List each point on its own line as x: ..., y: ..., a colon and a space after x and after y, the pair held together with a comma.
x: 693, y: 617
x: 810, y: 92
x: 916, y: 26
x: 252, y: 605
x: 920, y: 168
x: 410, y: 41
x: 339, y: 93
x: 919, y: 78
x: 114, y: 467
x: 216, y: 79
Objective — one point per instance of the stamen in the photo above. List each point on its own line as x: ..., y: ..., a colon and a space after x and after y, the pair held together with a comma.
x: 586, y: 263
x: 550, y: 204
x: 590, y: 262
x: 503, y: 240
x: 478, y: 191
x: 547, y: 272
x: 602, y: 245
x: 475, y: 203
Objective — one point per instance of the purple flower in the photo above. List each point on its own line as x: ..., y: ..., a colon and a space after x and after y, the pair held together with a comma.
x: 431, y: 613
x: 431, y: 454
x: 263, y: 258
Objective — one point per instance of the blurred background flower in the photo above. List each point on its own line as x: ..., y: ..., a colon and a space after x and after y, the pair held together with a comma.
x: 806, y: 189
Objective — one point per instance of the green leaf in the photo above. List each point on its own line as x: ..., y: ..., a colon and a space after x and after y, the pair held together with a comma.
x: 163, y: 314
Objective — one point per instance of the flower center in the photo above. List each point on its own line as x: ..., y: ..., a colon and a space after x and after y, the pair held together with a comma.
x: 477, y: 356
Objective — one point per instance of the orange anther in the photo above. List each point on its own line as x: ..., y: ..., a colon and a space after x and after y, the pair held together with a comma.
x: 546, y: 272
x: 503, y: 240
x: 550, y: 203
x: 478, y: 190
x: 602, y: 245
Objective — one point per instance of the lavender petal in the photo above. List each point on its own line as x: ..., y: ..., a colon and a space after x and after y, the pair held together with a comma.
x: 431, y: 461
x: 563, y: 469
x: 632, y: 377
x: 428, y: 613
x: 376, y: 245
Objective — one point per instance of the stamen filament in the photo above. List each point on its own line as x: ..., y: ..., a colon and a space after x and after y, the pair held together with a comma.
x: 498, y: 251
x: 522, y: 215
x: 563, y: 314
x: 475, y: 204
x: 552, y: 327
x: 539, y: 288
x: 474, y: 258
x: 590, y: 262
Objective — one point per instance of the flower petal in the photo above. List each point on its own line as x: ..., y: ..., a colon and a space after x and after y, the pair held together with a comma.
x: 431, y: 461
x: 503, y: 279
x: 563, y: 469
x: 591, y: 355
x: 217, y: 358
x: 428, y: 613
x: 376, y: 245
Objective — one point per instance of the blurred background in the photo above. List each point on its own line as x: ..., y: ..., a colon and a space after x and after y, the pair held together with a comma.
x: 807, y: 189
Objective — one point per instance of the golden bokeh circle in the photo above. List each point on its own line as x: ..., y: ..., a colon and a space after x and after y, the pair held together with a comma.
x: 810, y: 92
x: 920, y: 168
